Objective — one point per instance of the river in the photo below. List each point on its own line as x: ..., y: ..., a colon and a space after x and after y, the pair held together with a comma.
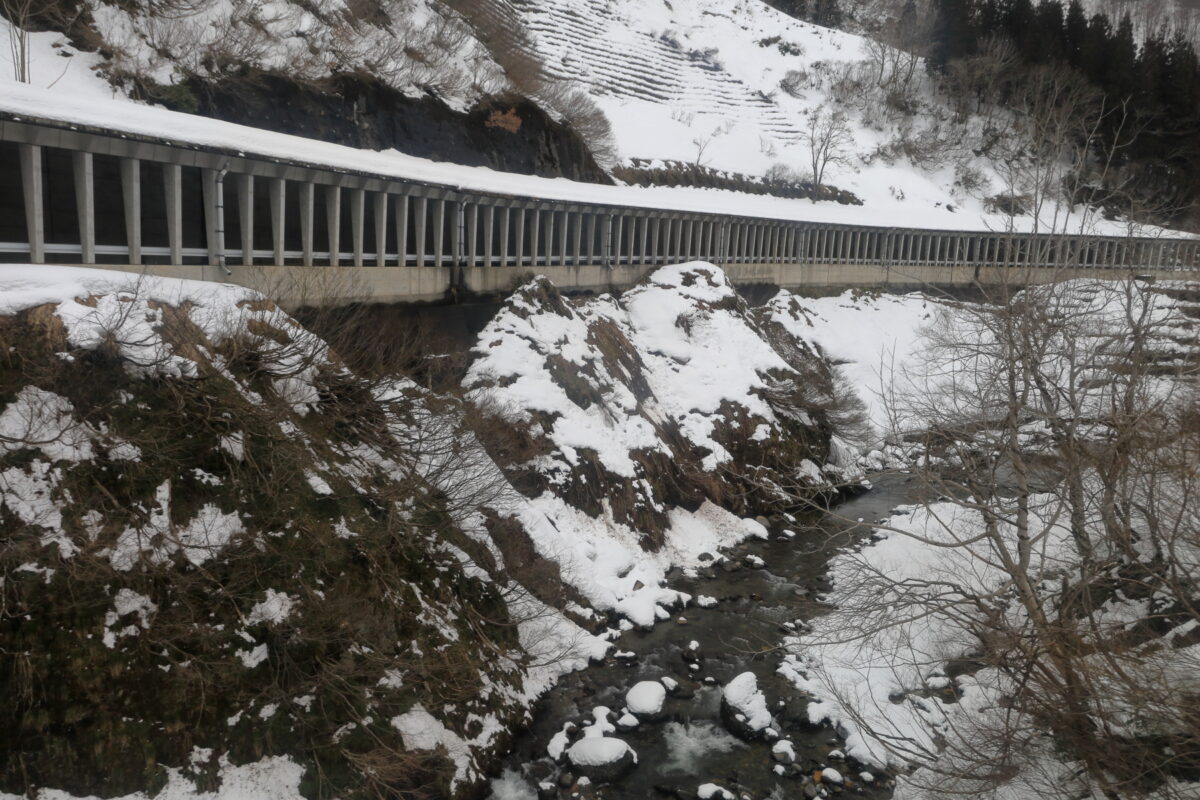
x: 689, y: 746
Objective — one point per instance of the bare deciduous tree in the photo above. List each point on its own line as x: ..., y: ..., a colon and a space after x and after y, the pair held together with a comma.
x: 827, y: 135
x: 19, y: 14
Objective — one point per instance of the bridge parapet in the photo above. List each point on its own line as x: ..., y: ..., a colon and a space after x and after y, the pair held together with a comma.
x: 95, y: 197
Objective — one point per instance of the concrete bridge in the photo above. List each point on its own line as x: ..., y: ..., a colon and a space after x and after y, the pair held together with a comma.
x: 77, y: 193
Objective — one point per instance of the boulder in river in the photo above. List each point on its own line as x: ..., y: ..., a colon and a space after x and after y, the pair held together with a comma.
x: 646, y: 699
x: 602, y: 759
x: 783, y: 751
x: 744, y: 708
x: 711, y: 791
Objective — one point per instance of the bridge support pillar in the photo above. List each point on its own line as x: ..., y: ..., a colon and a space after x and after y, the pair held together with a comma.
x: 401, y: 220
x: 131, y: 196
x: 173, y: 202
x: 380, y: 208
x: 579, y: 236
x: 358, y: 211
x: 32, y: 187
x: 333, y: 223
x: 505, y: 231
x: 630, y: 238
x: 591, y: 237
x: 643, y: 224
x: 489, y: 233
x: 472, y: 233
x: 439, y: 231
x: 307, y: 202
x: 245, y: 196
x: 535, y: 232
x: 563, y: 220
x: 519, y: 243
x: 83, y: 168
x: 534, y: 238
x: 606, y: 235
x: 278, y: 219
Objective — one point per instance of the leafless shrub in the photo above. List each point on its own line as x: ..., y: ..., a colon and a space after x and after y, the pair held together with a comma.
x: 794, y: 82
x: 589, y: 121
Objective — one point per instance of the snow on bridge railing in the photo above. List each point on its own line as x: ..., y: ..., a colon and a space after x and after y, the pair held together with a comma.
x: 172, y: 202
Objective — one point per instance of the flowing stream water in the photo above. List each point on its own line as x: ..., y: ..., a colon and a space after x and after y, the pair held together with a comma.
x: 689, y: 746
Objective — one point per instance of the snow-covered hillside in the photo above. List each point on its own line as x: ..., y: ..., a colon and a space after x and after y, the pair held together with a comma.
x: 734, y: 86
x: 413, y: 46
x: 904, y: 665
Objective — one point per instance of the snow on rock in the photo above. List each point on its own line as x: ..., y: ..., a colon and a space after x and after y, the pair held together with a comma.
x: 558, y: 743
x: 646, y: 698
x: 870, y: 336
x: 711, y: 791
x: 602, y: 759
x: 744, y: 707
x: 784, y: 751
x: 44, y: 421
x: 127, y: 602
x: 831, y: 775
x: 600, y: 726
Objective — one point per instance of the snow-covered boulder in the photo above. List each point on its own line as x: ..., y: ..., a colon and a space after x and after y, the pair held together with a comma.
x: 711, y: 791
x: 783, y: 751
x: 646, y: 699
x: 744, y: 707
x: 831, y: 775
x: 602, y: 759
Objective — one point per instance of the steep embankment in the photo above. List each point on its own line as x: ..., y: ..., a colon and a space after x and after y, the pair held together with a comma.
x: 408, y: 75
x: 231, y: 561
x: 223, y: 548
x: 648, y: 418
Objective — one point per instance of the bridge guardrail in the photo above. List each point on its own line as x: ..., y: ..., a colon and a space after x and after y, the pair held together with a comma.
x: 91, y: 198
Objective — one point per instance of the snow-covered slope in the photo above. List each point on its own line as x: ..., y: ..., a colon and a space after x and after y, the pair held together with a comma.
x: 645, y: 417
x: 215, y: 532
x: 882, y: 343
x: 413, y: 46
x: 700, y: 82
x: 878, y: 666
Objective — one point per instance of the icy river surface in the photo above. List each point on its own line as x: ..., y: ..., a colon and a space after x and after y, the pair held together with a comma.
x: 687, y: 751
